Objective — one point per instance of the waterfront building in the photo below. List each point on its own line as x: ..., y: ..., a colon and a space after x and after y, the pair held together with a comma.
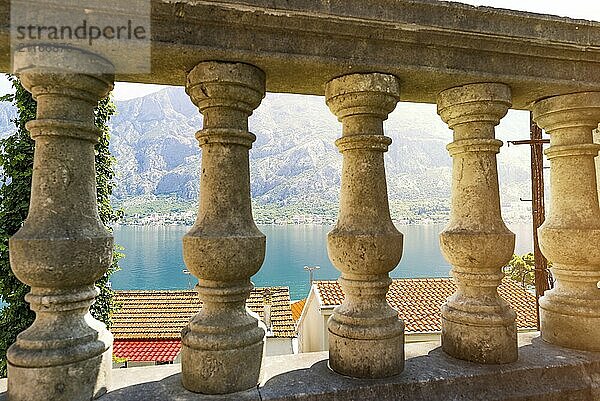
x: 147, y: 327
x: 417, y: 301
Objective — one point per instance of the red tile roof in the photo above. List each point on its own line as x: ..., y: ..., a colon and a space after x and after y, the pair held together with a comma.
x: 160, y: 315
x: 146, y: 350
x: 418, y: 301
x: 283, y: 325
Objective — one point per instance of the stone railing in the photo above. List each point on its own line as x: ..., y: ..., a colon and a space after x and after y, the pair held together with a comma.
x: 475, y: 63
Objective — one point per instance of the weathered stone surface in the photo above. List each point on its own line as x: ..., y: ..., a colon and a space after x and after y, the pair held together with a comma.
x: 436, y: 45
x: 222, y: 347
x: 596, y: 134
x: 544, y: 372
x: 155, y: 383
x: 570, y: 236
x: 477, y: 325
x: 63, y: 247
x: 364, y: 245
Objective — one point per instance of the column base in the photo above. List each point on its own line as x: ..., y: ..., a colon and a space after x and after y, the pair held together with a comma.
x: 221, y: 371
x: 482, y: 344
x: 79, y: 381
x: 576, y: 326
x: 369, y: 359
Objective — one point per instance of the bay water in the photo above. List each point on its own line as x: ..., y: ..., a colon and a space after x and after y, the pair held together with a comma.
x: 153, y: 256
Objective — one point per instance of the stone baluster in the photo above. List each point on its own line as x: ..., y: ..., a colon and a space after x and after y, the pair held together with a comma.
x: 222, y: 347
x: 477, y: 325
x: 570, y: 236
x: 63, y: 247
x: 366, y: 337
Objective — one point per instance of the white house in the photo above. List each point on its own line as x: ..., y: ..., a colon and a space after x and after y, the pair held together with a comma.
x: 417, y: 301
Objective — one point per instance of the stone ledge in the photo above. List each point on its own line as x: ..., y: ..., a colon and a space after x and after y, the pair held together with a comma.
x: 429, y: 45
x: 543, y: 372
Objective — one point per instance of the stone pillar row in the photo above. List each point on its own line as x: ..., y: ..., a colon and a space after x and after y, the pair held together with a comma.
x: 63, y: 247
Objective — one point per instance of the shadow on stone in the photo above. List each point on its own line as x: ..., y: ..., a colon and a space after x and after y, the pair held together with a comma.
x: 168, y: 388
x: 542, y: 372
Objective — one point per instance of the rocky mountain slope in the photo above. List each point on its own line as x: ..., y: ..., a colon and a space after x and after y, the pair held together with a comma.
x: 294, y: 163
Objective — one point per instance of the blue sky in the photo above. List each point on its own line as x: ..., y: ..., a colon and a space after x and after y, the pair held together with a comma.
x: 583, y: 9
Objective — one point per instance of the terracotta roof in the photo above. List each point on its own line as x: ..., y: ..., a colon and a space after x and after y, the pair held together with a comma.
x: 418, y: 301
x: 146, y: 350
x: 281, y: 311
x: 297, y: 308
x: 162, y: 314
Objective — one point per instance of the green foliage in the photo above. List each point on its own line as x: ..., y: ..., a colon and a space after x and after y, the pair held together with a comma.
x: 117, y: 359
x: 522, y: 270
x: 105, y: 306
x: 147, y: 205
x: 16, y: 162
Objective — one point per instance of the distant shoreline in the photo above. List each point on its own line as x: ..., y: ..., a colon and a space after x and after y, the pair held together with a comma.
x: 398, y: 223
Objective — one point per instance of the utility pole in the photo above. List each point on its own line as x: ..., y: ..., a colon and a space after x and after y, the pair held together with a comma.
x: 310, y: 270
x: 188, y: 273
x: 543, y: 280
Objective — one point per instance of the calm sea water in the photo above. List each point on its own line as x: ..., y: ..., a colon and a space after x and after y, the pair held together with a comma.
x: 154, y: 258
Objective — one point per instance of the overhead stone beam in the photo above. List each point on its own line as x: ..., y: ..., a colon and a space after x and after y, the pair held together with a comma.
x: 429, y: 46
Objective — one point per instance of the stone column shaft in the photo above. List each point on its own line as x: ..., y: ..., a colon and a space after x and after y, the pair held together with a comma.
x: 366, y: 337
x: 477, y: 325
x: 222, y: 347
x: 570, y: 235
x: 63, y: 247
x: 596, y: 137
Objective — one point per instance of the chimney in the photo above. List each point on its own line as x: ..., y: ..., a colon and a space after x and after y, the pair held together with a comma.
x: 267, y: 308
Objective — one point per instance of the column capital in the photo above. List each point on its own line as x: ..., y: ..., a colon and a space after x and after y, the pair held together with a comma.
x: 71, y: 72
x: 575, y: 110
x: 230, y: 85
x: 85, y: 87
x: 40, y: 76
x: 481, y: 102
x: 372, y: 94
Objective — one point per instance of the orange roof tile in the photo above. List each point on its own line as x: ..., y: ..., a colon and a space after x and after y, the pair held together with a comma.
x: 297, y: 308
x: 162, y: 314
x: 418, y: 301
x: 147, y: 350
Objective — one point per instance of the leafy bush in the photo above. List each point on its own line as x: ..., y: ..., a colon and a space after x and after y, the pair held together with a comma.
x: 16, y: 164
x: 522, y: 270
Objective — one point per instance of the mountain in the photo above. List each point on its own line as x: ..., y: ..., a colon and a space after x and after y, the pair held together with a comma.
x: 7, y: 114
x: 294, y: 163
